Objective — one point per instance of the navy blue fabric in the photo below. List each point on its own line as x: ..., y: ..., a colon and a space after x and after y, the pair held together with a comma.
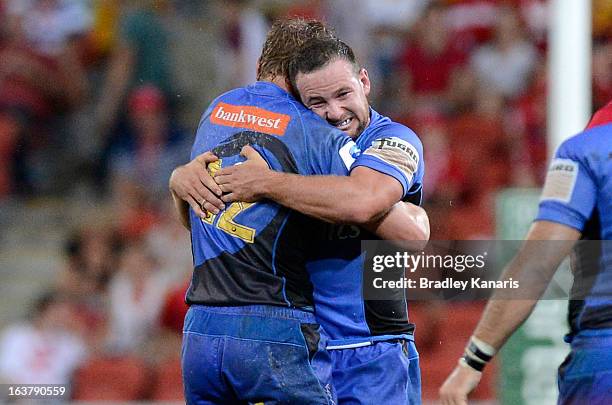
x: 253, y: 254
x: 384, y: 373
x: 253, y: 354
x: 587, y: 206
x: 337, y: 264
x: 586, y: 375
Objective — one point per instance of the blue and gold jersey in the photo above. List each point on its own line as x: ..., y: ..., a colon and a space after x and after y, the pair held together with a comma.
x: 395, y: 150
x: 254, y: 253
x: 337, y: 265
x: 578, y: 194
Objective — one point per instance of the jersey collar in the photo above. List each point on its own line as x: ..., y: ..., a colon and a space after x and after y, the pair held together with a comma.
x: 268, y: 89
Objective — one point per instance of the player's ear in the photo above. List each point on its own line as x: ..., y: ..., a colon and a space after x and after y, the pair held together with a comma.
x: 364, y: 79
x: 289, y: 86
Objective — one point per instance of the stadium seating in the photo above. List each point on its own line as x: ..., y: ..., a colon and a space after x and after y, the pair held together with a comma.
x: 441, y: 335
x: 112, y: 379
x: 168, y: 381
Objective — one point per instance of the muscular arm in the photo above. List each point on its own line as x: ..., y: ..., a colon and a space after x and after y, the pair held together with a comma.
x: 360, y: 198
x: 406, y: 224
x: 181, y: 209
x: 547, y: 244
x: 403, y: 222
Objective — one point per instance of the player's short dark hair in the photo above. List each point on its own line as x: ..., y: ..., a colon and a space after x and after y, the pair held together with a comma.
x: 283, y: 42
x: 318, y: 52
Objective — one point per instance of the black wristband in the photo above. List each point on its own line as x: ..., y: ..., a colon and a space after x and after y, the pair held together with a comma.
x: 476, y: 365
x: 478, y: 353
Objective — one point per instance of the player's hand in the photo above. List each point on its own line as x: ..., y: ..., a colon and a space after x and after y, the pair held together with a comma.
x: 459, y: 384
x: 192, y: 183
x: 245, y: 181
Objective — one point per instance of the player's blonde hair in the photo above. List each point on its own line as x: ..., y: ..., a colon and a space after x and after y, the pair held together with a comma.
x: 284, y: 41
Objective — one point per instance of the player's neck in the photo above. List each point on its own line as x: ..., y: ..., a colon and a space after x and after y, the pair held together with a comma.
x: 280, y: 81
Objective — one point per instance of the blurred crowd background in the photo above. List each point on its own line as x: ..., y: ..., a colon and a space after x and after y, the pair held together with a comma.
x: 99, y: 101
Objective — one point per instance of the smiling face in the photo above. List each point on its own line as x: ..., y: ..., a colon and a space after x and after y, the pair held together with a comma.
x: 337, y: 93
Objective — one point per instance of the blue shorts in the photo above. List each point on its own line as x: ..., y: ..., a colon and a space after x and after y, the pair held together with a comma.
x: 386, y: 372
x: 585, y: 377
x: 254, y: 354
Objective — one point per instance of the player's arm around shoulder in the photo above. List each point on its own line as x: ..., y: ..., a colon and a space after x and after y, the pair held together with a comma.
x: 392, y: 157
x: 360, y: 198
x: 328, y: 193
x: 396, y: 151
x: 374, y: 194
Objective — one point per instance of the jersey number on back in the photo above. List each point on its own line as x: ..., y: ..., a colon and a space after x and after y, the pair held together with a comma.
x: 226, y: 218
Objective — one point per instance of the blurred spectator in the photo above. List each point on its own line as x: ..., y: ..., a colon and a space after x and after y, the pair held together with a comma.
x: 307, y: 9
x: 602, y: 74
x: 103, y: 35
x: 140, y: 167
x: 535, y: 14
x: 41, y: 79
x: 91, y: 260
x: 375, y: 29
x: 442, y: 179
x: 196, y: 56
x: 140, y: 57
x: 170, y: 244
x: 475, y: 138
x: 135, y: 297
x: 602, y: 19
x: 430, y: 58
x: 91, y: 255
x: 527, y: 127
x: 481, y: 128
x: 174, y: 309
x: 51, y: 25
x: 9, y: 133
x: 53, y: 30
x: 506, y: 64
x: 461, y: 91
x: 243, y: 36
x: 472, y: 21
x: 146, y: 159
x: 135, y: 214
x: 44, y: 350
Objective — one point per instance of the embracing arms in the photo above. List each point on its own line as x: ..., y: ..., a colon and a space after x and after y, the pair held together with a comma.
x: 366, y: 197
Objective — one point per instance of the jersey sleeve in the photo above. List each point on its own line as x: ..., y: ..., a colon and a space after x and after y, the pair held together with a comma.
x: 396, y: 152
x: 570, y: 191
x: 330, y: 151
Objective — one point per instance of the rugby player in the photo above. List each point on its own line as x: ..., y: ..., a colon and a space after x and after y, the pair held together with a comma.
x: 575, y: 204
x: 250, y: 335
x: 372, y: 345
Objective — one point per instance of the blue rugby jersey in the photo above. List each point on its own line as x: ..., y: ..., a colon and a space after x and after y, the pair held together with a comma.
x: 337, y: 265
x: 254, y: 253
x: 578, y: 194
